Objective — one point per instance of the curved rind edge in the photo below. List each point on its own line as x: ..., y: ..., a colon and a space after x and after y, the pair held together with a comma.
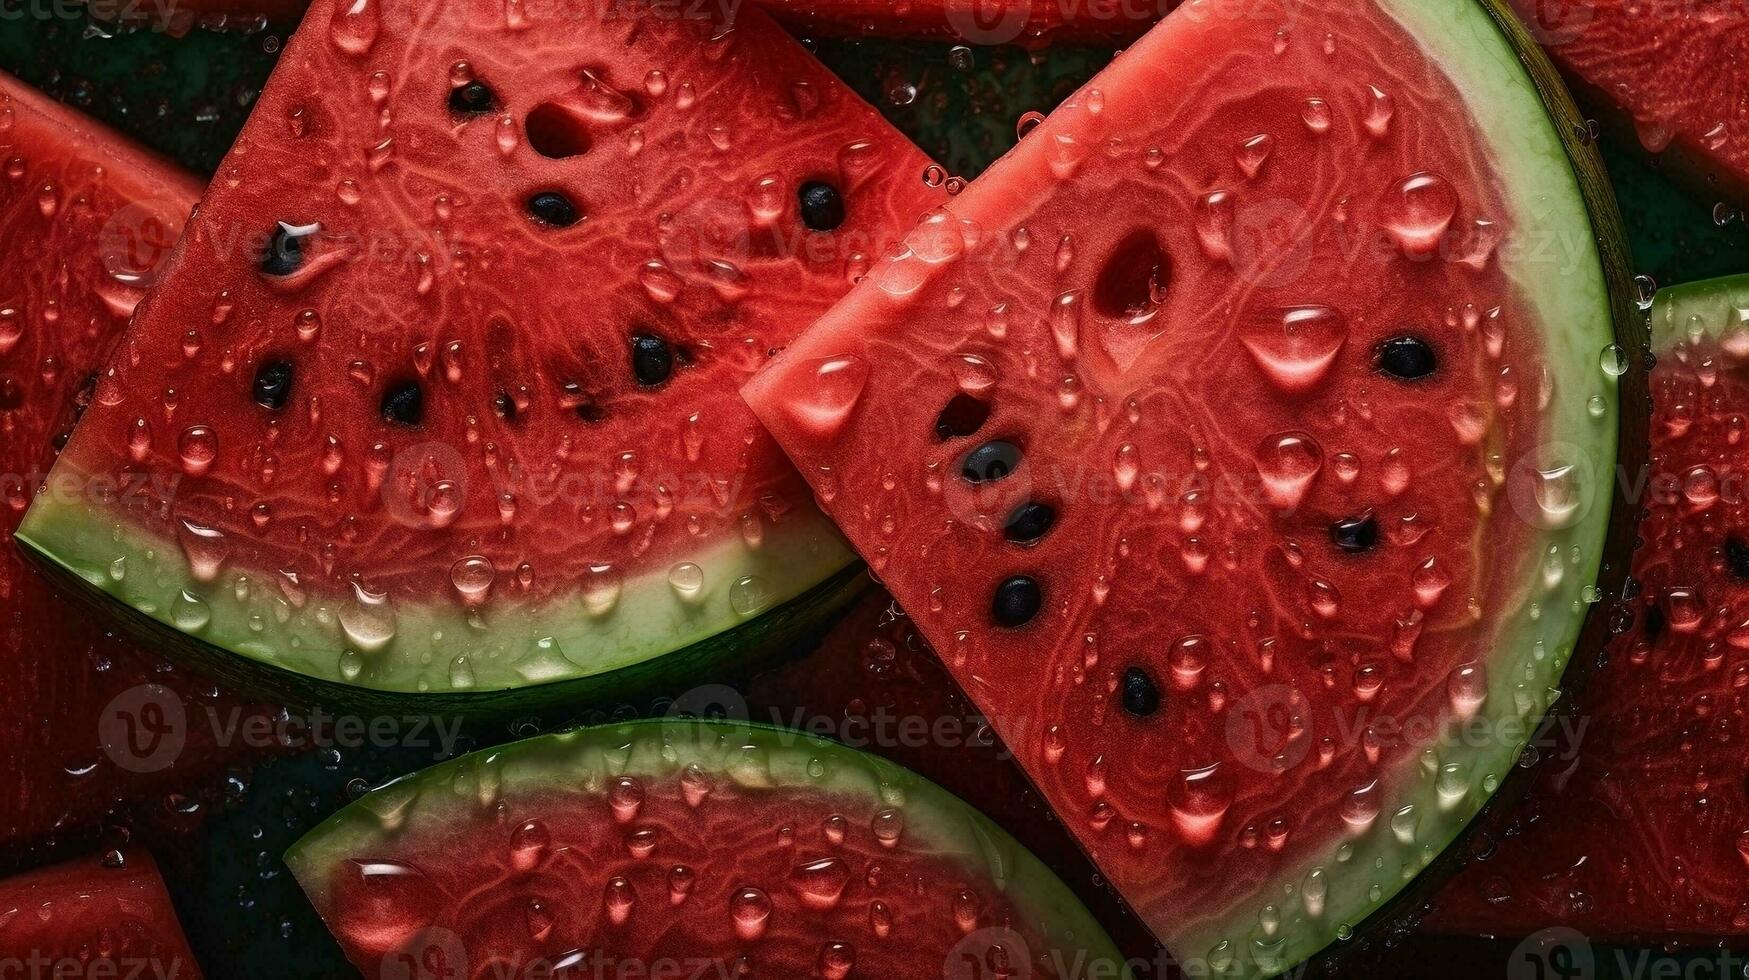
x: 754, y: 755
x: 1451, y: 786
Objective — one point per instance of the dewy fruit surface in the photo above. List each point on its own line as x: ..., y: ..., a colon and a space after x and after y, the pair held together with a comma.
x: 701, y: 849
x: 1679, y: 71
x: 1640, y: 830
x: 93, y: 918
x: 85, y: 217
x: 439, y: 393
x: 1260, y: 409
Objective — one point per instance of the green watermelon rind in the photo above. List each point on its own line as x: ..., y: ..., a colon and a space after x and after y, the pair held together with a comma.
x: 514, y: 655
x: 1554, y: 182
x: 1709, y: 310
x: 579, y: 764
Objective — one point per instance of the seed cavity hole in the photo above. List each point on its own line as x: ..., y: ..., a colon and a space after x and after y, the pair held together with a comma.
x: 1737, y: 558
x: 273, y: 384
x: 1029, y: 523
x: 652, y: 359
x: 821, y: 204
x: 990, y: 462
x: 554, y: 209
x: 404, y: 403
x: 476, y: 98
x: 1408, y: 357
x: 1016, y: 601
x: 1356, y: 534
x: 963, y: 416
x: 1138, y: 693
x: 283, y: 253
x: 556, y: 132
x: 1134, y: 280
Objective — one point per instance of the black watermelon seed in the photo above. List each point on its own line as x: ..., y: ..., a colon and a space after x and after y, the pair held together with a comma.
x: 1017, y: 600
x: 1408, y: 358
x: 652, y: 359
x: 990, y: 462
x: 505, y: 406
x: 284, y: 254
x: 1355, y: 534
x: 404, y: 403
x: 963, y: 416
x: 473, y: 99
x: 1139, y: 694
x: 591, y: 412
x: 553, y: 208
x: 273, y: 384
x: 822, y: 206
x: 1029, y: 522
x: 1737, y: 558
x: 1655, y: 623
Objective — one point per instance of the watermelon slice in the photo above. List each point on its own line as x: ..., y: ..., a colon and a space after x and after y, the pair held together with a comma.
x: 1246, y: 451
x: 1676, y: 71
x: 707, y: 848
x: 438, y: 395
x: 93, y: 918
x: 85, y: 215
x: 1639, y: 828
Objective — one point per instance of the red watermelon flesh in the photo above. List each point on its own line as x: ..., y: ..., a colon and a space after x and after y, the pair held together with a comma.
x: 1254, y: 468
x: 1678, y: 71
x: 92, y: 918
x: 707, y: 849
x: 443, y: 376
x: 1640, y: 830
x: 1033, y: 23
x: 86, y: 216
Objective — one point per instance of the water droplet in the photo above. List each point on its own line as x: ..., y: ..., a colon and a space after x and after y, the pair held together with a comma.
x: 750, y: 911
x: 199, y: 447
x: 820, y: 884
x: 367, y: 619
x: 1288, y: 463
x: 1294, y: 347
x: 1317, y: 116
x: 1253, y: 154
x: 1199, y: 799
x: 1214, y: 226
x: 1379, y: 110
x: 355, y: 25
x: 832, y: 388
x: 472, y: 577
x: 1361, y: 807
x: 1420, y: 209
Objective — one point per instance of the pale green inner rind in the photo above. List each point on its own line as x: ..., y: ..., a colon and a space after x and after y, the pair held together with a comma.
x: 1565, y: 277
x: 573, y: 770
x: 440, y: 646
x: 1714, y: 310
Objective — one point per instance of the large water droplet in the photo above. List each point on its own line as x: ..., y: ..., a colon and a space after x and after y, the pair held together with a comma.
x: 1288, y: 463
x: 1199, y: 799
x: 1418, y: 211
x: 829, y: 392
x: 1294, y: 347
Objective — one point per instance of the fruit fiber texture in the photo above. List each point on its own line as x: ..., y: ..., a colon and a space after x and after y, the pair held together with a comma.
x: 93, y: 918
x: 444, y: 375
x: 1678, y: 72
x: 691, y: 846
x: 1255, y: 469
x: 1639, y: 827
x: 85, y: 217
x: 1031, y: 23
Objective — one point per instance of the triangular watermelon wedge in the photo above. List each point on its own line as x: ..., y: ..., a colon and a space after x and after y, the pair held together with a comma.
x: 439, y: 393
x: 1243, y: 441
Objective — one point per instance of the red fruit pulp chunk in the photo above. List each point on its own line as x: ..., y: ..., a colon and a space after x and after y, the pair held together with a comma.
x: 1638, y: 827
x: 1676, y: 70
x: 89, y: 918
x: 86, y: 216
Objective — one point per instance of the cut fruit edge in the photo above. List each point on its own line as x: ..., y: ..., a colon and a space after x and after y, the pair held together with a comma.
x: 580, y: 764
x: 1712, y: 311
x: 1575, y: 272
x: 588, y: 635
